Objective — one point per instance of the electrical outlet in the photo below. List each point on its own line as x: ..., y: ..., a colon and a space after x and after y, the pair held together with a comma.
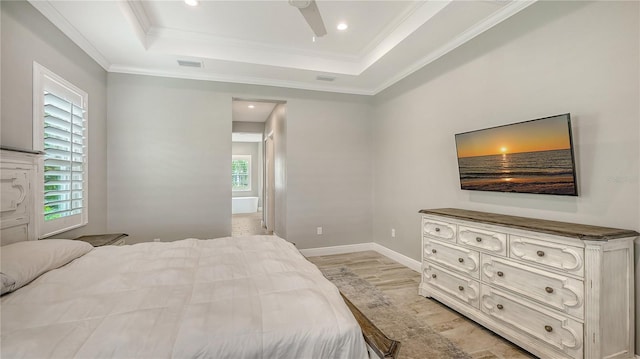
x: 393, y: 233
x: 156, y: 239
x: 319, y: 230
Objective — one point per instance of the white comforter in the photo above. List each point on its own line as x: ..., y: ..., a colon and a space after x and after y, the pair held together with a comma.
x: 251, y: 297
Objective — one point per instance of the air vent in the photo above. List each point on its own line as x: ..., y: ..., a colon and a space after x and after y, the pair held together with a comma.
x: 187, y: 63
x: 325, y: 78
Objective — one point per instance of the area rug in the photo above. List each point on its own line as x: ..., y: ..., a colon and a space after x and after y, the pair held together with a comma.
x: 418, y: 340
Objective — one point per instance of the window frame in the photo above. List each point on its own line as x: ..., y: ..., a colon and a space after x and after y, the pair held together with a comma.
x: 44, y: 78
x: 243, y: 158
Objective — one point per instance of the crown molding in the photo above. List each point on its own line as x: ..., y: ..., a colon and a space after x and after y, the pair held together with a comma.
x: 390, y: 29
x: 477, y: 29
x: 51, y: 13
x: 197, y: 45
x: 410, y: 23
x: 136, y: 16
x: 140, y: 14
x: 158, y: 33
x: 237, y: 79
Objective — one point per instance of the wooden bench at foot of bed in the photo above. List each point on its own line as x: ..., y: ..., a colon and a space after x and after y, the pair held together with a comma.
x: 382, y: 346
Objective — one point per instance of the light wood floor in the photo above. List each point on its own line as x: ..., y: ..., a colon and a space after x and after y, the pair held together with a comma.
x: 247, y: 224
x: 401, y: 285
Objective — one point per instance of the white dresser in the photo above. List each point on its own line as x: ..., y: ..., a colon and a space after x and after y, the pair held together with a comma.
x: 558, y: 290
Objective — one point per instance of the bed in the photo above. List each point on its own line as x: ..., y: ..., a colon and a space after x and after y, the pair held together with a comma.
x: 241, y: 297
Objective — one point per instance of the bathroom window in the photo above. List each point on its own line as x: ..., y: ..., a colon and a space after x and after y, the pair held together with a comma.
x: 241, y: 172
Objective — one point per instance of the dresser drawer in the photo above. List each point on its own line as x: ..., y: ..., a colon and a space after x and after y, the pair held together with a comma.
x: 484, y: 240
x: 554, y: 290
x: 464, y: 289
x: 559, y: 256
x: 438, y: 229
x: 464, y: 260
x: 533, y: 320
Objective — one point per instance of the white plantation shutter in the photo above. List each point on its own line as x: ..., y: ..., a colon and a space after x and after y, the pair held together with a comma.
x: 60, y: 118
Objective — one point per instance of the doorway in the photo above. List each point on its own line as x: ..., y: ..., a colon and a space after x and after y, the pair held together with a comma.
x: 254, y: 152
x: 246, y: 172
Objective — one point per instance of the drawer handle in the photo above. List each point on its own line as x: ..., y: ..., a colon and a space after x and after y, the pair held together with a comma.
x: 499, y: 306
x: 434, y: 251
x: 540, y: 253
x: 478, y: 239
x: 549, y: 289
x: 461, y: 260
x: 500, y: 274
x: 434, y: 276
x: 548, y: 328
x: 460, y: 288
x: 437, y: 229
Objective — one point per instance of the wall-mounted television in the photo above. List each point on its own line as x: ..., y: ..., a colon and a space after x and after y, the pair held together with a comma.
x: 527, y: 157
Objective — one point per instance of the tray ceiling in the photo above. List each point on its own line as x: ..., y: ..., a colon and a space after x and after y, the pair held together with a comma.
x: 269, y: 42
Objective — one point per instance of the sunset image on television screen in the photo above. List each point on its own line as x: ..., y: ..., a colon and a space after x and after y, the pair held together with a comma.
x: 529, y: 157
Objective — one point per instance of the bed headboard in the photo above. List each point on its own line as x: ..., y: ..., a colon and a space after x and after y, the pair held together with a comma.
x: 18, y: 169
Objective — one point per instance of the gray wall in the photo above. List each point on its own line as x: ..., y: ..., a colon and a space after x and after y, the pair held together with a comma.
x: 249, y: 148
x: 329, y: 168
x: 169, y: 149
x: 554, y: 57
x: 276, y: 127
x: 27, y: 36
x: 248, y: 127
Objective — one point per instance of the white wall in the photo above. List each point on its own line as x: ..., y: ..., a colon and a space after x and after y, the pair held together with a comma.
x: 27, y: 37
x: 554, y: 57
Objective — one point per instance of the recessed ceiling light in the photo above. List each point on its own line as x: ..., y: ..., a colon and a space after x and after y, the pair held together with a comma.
x: 342, y: 26
x: 251, y: 106
x: 191, y: 2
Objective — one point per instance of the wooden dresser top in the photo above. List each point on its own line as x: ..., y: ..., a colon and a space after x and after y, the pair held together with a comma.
x: 573, y: 230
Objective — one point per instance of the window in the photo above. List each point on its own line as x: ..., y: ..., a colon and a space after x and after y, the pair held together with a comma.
x: 241, y: 172
x: 60, y: 130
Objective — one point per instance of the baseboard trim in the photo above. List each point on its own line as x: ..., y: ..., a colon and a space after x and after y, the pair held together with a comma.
x: 360, y: 247
x: 327, y: 251
x: 398, y: 257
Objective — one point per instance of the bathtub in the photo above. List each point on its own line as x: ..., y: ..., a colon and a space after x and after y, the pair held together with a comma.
x: 244, y: 205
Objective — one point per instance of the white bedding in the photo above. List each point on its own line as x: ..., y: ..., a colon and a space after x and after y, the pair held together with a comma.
x: 248, y: 297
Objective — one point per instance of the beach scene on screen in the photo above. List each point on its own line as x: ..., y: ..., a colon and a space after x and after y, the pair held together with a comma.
x: 529, y: 157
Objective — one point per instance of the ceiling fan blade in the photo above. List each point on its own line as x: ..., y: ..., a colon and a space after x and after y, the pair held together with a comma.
x: 314, y: 19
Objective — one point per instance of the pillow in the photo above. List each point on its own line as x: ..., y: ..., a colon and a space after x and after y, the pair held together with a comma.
x: 22, y: 262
